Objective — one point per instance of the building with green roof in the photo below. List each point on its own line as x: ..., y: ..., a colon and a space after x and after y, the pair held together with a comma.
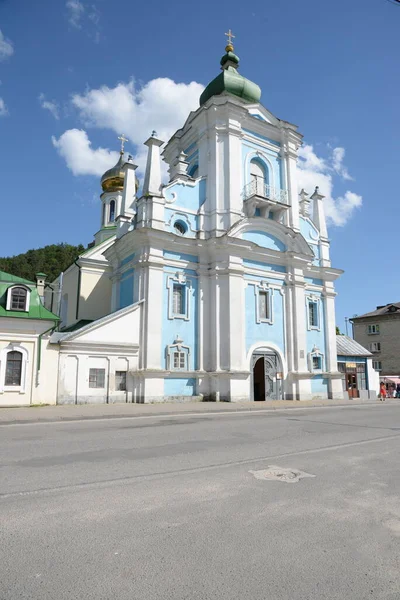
x: 25, y: 329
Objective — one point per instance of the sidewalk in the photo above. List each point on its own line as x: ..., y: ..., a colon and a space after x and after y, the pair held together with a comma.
x: 45, y: 414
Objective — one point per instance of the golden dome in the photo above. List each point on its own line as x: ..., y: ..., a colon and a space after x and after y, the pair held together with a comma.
x: 113, y: 179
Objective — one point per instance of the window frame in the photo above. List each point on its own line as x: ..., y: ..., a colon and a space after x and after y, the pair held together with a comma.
x: 373, y: 329
x: 263, y: 287
x: 187, y: 286
x: 9, y: 298
x: 21, y: 388
x: 377, y: 362
x: 183, y: 358
x: 375, y: 347
x: 19, y: 372
x: 315, y: 300
x: 316, y: 353
x: 112, y: 202
x: 98, y: 372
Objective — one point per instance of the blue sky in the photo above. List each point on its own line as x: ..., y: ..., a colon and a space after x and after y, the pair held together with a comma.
x: 72, y: 72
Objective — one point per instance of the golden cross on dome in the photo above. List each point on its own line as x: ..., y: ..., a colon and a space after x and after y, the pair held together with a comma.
x: 123, y: 140
x: 230, y: 35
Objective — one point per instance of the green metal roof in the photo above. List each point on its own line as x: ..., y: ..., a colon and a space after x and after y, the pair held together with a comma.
x: 36, y: 308
x: 232, y: 82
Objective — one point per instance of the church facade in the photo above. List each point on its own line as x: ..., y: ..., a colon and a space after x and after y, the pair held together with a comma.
x: 216, y: 285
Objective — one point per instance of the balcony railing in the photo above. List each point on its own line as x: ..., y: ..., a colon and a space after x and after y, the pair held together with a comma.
x: 257, y: 187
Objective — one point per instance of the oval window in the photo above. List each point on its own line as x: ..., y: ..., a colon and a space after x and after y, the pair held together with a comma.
x: 180, y: 227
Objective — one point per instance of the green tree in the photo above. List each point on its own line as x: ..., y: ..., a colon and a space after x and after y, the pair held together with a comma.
x: 50, y: 260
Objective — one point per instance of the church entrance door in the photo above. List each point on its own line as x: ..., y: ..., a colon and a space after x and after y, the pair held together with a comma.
x: 266, y: 385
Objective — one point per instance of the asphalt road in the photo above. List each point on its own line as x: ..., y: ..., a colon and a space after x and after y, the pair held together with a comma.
x: 168, y: 508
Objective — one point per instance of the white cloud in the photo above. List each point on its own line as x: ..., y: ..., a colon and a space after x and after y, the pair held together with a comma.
x: 3, y: 108
x: 76, y: 11
x: 160, y: 105
x: 52, y: 107
x: 75, y: 147
x: 6, y: 47
x: 337, y: 161
x: 316, y: 171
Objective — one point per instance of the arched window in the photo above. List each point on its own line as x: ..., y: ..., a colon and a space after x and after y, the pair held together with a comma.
x: 112, y: 211
x: 18, y: 299
x: 13, y: 369
x: 258, y: 177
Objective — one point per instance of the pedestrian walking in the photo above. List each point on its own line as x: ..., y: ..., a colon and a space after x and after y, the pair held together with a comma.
x: 382, y: 392
x: 398, y: 390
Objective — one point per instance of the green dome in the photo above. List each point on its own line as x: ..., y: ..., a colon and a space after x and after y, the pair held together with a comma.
x: 232, y: 82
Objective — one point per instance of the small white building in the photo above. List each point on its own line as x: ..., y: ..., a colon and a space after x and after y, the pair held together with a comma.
x: 28, y: 363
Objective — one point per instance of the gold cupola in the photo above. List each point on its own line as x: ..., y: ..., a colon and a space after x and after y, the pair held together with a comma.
x: 113, y: 179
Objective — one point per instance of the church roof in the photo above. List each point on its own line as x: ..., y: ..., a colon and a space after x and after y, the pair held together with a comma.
x: 231, y: 81
x: 36, y: 308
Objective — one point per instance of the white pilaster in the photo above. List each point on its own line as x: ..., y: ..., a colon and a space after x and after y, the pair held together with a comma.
x: 152, y: 178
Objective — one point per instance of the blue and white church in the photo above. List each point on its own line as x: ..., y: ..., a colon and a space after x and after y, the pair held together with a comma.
x: 217, y: 284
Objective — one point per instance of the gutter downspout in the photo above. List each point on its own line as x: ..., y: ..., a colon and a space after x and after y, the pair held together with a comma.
x: 39, y: 353
x: 78, y: 289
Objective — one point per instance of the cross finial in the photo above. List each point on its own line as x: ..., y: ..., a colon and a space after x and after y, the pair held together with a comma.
x: 123, y: 140
x: 230, y: 35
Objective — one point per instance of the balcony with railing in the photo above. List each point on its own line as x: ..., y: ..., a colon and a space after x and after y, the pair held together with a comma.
x: 260, y: 198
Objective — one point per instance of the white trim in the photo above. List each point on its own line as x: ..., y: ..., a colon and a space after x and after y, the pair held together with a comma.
x: 267, y: 347
x: 317, y: 300
x: 263, y: 286
x: 316, y: 353
x: 263, y: 158
x: 181, y: 279
x: 27, y: 301
x: 13, y: 347
x: 177, y: 346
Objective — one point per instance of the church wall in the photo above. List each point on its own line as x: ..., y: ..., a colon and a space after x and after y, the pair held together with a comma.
x: 186, y: 328
x: 126, y: 287
x: 319, y: 386
x: 264, y: 332
x: 270, y: 159
x: 95, y: 294
x: 182, y: 386
x: 188, y: 195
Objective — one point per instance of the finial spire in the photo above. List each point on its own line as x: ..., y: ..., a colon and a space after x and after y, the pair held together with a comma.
x: 229, y: 35
x: 123, y: 140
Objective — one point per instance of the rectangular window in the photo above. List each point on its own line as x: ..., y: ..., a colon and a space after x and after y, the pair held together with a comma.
x: 263, y: 305
x: 377, y: 365
x: 313, y: 314
x: 375, y: 346
x: 120, y: 381
x: 97, y: 378
x: 179, y: 360
x: 178, y: 300
x: 373, y: 329
x: 317, y: 363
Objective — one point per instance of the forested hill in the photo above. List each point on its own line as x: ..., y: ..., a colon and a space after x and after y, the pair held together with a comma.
x: 50, y: 260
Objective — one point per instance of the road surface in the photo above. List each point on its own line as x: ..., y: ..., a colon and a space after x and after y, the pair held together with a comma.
x: 169, y: 507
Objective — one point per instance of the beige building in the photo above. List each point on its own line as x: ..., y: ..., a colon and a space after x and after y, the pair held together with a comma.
x: 379, y: 332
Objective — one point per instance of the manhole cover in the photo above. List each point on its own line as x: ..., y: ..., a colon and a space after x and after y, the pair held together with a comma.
x: 274, y: 473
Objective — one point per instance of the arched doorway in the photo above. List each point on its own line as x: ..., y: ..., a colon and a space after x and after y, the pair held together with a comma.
x: 266, y: 370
